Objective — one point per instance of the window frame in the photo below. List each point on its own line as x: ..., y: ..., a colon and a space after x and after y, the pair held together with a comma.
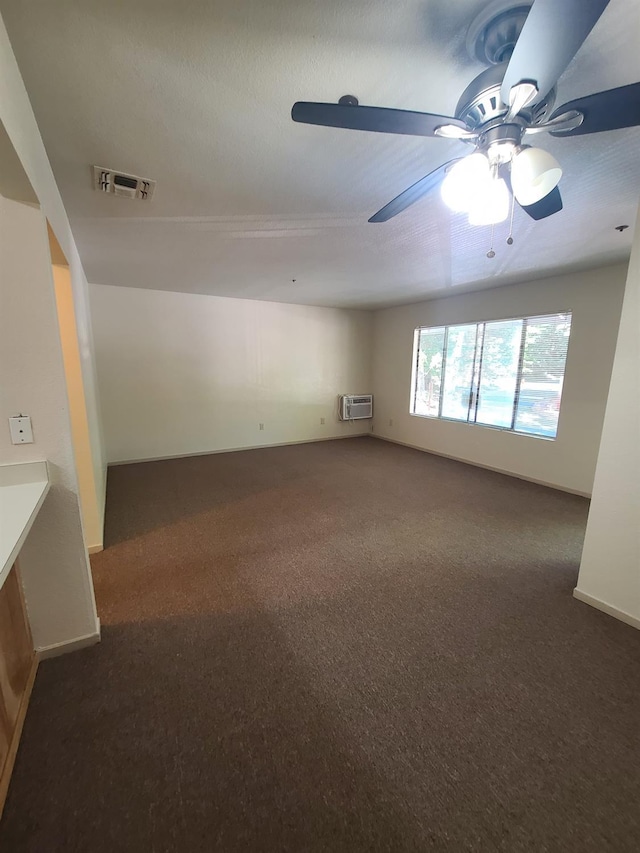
x: 477, y: 323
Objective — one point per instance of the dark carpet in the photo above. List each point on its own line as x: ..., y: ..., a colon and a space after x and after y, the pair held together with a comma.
x: 343, y: 646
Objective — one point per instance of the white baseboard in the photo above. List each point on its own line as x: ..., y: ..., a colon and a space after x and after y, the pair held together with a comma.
x: 610, y: 609
x: 95, y: 549
x: 480, y: 465
x: 69, y: 645
x: 238, y: 449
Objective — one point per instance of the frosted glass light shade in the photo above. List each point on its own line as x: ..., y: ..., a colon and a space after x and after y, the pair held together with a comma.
x: 465, y: 182
x: 534, y: 173
x: 492, y: 206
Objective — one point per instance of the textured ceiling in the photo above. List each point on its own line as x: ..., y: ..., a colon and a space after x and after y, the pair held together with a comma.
x: 196, y: 94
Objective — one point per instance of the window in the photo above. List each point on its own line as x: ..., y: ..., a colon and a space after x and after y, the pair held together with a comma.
x: 506, y: 374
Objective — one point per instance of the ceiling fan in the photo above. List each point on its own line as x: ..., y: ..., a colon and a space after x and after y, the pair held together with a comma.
x: 527, y: 45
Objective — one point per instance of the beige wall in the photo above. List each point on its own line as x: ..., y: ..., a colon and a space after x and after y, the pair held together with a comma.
x: 20, y: 125
x: 91, y: 515
x: 610, y: 568
x: 182, y: 373
x: 54, y: 562
x: 594, y: 297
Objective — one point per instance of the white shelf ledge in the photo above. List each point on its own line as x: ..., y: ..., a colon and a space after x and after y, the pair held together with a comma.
x: 23, y: 488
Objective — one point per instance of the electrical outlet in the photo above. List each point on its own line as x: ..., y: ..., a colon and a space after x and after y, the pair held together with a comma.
x: 390, y: 421
x: 20, y: 428
x: 321, y: 420
x: 261, y: 426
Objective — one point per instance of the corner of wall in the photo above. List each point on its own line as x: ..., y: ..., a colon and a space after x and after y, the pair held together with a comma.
x: 57, y: 649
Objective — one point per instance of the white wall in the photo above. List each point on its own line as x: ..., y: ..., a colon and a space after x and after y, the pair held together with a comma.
x: 19, y: 122
x: 610, y: 568
x: 594, y: 297
x: 54, y: 563
x: 183, y: 373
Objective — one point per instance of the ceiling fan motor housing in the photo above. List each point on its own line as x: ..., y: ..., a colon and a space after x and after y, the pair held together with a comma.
x: 481, y: 103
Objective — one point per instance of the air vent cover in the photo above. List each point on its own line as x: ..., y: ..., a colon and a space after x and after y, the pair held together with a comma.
x: 119, y: 183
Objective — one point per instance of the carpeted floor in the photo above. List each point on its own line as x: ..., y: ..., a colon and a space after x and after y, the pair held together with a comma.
x: 343, y: 646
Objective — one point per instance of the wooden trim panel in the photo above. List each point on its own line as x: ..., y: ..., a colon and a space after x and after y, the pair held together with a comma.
x: 18, y: 665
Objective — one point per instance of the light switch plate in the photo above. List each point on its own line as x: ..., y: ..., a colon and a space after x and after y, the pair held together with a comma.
x: 21, y: 432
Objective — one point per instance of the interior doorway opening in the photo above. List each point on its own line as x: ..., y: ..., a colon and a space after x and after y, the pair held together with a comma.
x: 76, y: 396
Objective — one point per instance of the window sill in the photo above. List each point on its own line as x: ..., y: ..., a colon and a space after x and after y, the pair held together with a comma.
x: 484, y: 426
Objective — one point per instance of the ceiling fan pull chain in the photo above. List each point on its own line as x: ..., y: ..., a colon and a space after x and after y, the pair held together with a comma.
x: 510, y: 237
x: 491, y: 253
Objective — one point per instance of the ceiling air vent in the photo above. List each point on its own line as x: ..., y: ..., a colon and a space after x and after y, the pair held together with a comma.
x: 119, y: 183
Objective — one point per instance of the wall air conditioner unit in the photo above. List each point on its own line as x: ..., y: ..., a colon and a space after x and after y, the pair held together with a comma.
x: 356, y: 407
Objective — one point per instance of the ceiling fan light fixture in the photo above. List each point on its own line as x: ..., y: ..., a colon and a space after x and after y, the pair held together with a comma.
x: 465, y: 182
x: 492, y: 205
x: 534, y: 174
